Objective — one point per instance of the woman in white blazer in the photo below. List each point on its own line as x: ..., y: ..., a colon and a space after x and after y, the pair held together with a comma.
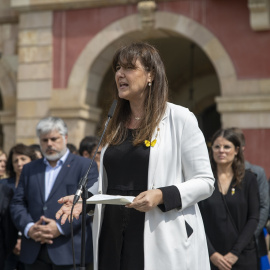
x: 152, y: 150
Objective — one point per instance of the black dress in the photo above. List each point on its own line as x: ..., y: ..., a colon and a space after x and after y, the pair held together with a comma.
x: 230, y: 221
x: 121, y: 238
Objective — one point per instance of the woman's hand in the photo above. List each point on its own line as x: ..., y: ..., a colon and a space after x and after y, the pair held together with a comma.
x: 220, y: 262
x: 147, y: 200
x: 65, y: 210
x: 231, y: 258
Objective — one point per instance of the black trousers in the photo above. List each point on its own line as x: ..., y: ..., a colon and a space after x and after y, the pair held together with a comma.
x: 44, y: 262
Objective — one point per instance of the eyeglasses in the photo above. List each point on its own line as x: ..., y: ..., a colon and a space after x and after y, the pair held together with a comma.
x: 217, y: 147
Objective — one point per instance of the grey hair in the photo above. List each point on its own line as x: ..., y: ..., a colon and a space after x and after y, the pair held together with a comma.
x: 49, y: 124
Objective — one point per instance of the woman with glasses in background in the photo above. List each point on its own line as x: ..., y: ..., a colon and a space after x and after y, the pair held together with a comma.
x: 231, y: 214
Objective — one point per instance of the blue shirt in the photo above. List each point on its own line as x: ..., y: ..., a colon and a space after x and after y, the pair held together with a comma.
x: 51, y: 173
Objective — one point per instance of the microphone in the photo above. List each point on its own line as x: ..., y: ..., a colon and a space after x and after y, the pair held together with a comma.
x: 112, y: 109
x: 84, y: 179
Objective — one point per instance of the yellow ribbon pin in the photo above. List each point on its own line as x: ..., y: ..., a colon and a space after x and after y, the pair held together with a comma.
x: 148, y: 143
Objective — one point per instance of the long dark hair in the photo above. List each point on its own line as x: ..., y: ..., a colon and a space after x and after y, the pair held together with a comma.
x: 238, y: 165
x: 20, y: 149
x: 155, y: 102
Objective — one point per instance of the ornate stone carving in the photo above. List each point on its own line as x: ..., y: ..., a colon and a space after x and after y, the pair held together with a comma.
x: 147, y: 14
x: 259, y: 14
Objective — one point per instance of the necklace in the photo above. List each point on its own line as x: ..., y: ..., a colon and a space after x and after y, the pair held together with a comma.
x: 225, y: 189
x: 137, y: 118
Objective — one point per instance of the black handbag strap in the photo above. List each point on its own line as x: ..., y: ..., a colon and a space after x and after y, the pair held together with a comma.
x: 229, y: 213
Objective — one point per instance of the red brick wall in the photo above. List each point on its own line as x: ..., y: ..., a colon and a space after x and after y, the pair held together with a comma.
x: 228, y: 20
x: 257, y: 148
x: 72, y: 30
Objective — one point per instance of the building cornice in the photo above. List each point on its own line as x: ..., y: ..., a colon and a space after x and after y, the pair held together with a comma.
x: 32, y: 5
x: 259, y: 14
x: 8, y: 16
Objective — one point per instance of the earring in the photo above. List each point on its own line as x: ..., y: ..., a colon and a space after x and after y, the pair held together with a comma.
x: 149, y: 84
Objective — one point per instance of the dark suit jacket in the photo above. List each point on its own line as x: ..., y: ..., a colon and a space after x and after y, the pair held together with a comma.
x: 28, y: 205
x: 264, y: 206
x: 8, y: 233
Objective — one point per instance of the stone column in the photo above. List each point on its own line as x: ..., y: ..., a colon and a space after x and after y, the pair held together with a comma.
x: 34, y: 83
x: 8, y: 69
x: 259, y: 16
x: 250, y: 110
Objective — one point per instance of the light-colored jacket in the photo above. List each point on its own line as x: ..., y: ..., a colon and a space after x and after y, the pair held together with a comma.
x: 179, y: 158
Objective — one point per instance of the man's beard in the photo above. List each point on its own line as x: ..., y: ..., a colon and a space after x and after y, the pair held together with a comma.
x: 55, y: 156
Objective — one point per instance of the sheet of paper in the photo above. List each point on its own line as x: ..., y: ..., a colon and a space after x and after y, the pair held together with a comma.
x: 110, y: 199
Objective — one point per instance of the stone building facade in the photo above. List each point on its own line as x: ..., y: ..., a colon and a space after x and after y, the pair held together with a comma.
x: 56, y: 56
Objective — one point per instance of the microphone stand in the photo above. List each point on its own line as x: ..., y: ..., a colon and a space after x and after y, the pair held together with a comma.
x: 84, y: 198
x: 82, y: 190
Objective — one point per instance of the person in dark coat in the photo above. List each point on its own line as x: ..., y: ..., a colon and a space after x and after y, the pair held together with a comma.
x: 19, y: 155
x: 8, y: 232
x: 264, y: 205
x: 231, y: 214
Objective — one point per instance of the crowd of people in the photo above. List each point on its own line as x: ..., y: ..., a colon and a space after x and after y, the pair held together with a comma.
x: 12, y: 231
x: 193, y: 208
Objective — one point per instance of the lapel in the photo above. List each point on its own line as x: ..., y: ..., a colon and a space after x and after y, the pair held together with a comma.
x: 41, y: 179
x: 155, y: 151
x: 102, y: 181
x: 62, y: 174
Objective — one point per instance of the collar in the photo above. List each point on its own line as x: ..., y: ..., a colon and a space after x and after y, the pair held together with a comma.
x: 60, y: 161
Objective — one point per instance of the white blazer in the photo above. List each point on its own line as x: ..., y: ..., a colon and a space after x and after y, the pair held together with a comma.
x: 179, y: 158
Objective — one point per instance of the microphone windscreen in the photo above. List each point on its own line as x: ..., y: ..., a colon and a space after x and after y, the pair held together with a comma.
x: 111, y: 111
